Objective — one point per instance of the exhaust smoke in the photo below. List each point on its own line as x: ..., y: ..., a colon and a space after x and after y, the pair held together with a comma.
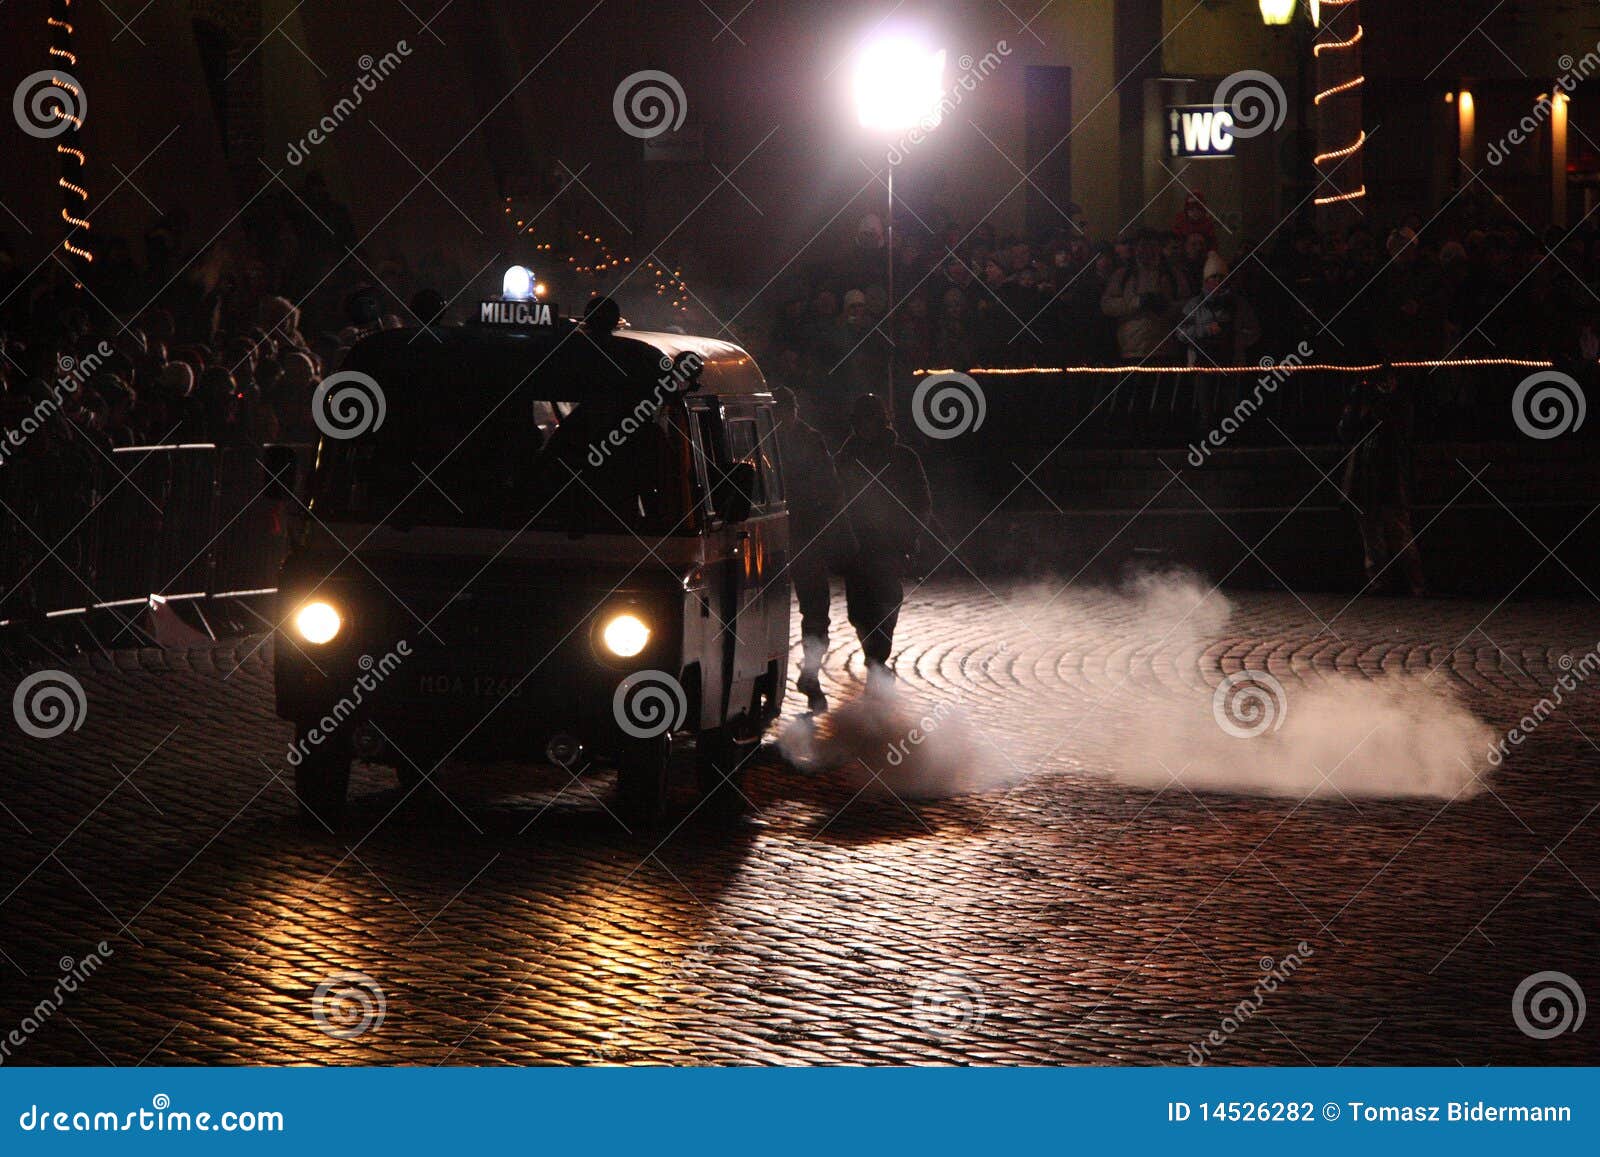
x: 1141, y: 685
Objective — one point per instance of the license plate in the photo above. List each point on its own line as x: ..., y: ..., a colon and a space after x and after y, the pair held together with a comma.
x: 471, y: 686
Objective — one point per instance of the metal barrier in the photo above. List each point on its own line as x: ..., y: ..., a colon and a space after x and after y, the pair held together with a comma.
x: 85, y: 528
x: 1271, y: 404
x: 82, y: 527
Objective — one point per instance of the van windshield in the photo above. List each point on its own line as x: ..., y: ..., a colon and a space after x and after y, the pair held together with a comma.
x: 516, y: 461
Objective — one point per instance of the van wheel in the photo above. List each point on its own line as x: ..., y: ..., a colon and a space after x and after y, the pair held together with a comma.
x: 722, y: 760
x: 644, y: 782
x: 322, y: 780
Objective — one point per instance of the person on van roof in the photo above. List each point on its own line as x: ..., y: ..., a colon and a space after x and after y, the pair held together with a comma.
x: 815, y: 534
x: 601, y: 316
x: 887, y: 497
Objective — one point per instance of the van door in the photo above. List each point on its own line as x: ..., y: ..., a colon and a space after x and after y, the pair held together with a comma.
x: 746, y: 628
x: 749, y: 620
x: 776, y: 587
x: 705, y: 636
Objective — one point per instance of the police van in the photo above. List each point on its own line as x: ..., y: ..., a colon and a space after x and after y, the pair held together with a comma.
x: 533, y: 538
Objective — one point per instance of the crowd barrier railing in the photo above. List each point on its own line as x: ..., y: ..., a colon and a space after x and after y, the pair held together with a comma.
x: 85, y: 529
x: 1010, y: 409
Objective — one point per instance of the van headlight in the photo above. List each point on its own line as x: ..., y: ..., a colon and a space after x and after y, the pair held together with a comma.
x: 317, y: 622
x: 625, y: 635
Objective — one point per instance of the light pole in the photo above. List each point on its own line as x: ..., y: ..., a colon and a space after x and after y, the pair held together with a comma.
x: 1335, y: 50
x: 899, y: 88
x: 1281, y: 14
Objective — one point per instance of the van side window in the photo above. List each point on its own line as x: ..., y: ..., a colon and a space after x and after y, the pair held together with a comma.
x: 770, y: 462
x: 742, y: 441
x: 706, y: 440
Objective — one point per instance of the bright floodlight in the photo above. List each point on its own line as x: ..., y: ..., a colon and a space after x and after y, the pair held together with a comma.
x: 899, y: 83
x: 518, y: 284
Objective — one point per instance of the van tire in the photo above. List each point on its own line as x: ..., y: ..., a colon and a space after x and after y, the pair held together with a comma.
x: 322, y: 780
x: 644, y: 781
x: 722, y: 761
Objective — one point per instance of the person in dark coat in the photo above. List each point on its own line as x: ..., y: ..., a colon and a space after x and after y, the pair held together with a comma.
x: 1379, y: 420
x: 815, y: 531
x: 888, y: 503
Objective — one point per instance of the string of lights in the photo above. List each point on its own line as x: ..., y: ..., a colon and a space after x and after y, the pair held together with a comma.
x: 1339, y: 45
x: 1342, y: 70
x: 1355, y: 194
x: 1280, y: 368
x: 668, y: 283
x: 1340, y: 154
x: 69, y: 151
x: 1337, y: 89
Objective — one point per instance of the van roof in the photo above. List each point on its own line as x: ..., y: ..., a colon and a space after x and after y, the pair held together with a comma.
x: 565, y: 353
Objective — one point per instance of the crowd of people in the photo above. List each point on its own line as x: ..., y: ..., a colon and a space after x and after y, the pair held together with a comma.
x: 186, y: 345
x: 228, y: 344
x: 1189, y: 294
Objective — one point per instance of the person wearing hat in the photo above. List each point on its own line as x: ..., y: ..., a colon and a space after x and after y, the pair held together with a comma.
x: 1218, y: 326
x: 1194, y: 217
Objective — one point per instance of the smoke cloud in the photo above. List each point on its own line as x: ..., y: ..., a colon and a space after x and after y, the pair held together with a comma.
x: 1143, y: 685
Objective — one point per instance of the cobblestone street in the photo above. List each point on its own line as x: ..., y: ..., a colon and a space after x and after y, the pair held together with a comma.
x: 1056, y: 915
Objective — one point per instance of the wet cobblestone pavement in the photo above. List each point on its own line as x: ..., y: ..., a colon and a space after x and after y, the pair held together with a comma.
x: 1057, y: 917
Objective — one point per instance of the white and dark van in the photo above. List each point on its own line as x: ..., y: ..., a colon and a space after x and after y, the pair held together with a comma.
x: 538, y: 543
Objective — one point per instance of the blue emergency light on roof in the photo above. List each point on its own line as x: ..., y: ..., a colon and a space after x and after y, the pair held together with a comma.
x: 519, y: 303
x: 518, y: 284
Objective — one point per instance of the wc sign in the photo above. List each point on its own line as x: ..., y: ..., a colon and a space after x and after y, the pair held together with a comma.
x: 1199, y: 130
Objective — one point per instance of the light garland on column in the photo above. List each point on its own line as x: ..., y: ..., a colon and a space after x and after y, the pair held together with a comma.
x: 1348, y: 47
x: 73, y: 159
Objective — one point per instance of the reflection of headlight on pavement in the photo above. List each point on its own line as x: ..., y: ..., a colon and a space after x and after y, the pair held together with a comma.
x: 317, y: 622
x: 625, y: 635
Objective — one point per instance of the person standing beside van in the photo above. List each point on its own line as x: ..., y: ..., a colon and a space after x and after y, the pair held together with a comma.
x: 815, y: 530
x: 887, y: 498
